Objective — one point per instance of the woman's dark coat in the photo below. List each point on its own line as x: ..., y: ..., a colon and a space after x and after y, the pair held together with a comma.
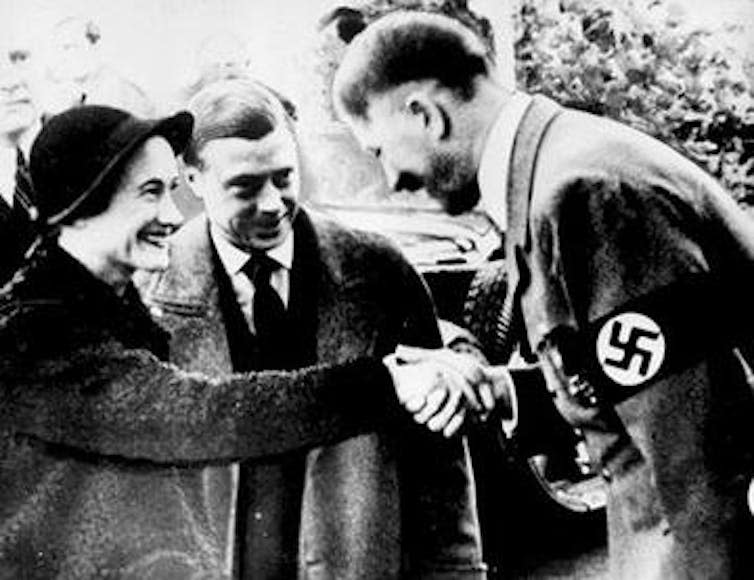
x: 104, y: 446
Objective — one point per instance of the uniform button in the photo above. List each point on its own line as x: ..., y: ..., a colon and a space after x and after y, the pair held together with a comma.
x: 606, y: 474
x: 258, y: 516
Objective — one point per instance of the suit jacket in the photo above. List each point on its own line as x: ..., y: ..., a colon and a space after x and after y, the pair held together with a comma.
x: 619, y: 223
x: 103, y: 446
x: 393, y: 503
x: 16, y: 231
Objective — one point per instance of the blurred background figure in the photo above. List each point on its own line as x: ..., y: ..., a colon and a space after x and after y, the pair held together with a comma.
x: 78, y: 74
x: 219, y: 56
x: 19, y: 124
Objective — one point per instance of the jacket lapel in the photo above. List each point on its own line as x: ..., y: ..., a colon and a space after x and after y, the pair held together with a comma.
x: 5, y: 209
x: 307, y: 282
x: 185, y: 299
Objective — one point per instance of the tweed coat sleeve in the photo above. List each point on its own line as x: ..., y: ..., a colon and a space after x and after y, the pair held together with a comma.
x: 106, y: 399
x: 441, y: 533
x: 421, y: 326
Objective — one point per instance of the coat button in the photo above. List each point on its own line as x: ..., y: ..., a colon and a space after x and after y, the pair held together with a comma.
x: 606, y: 474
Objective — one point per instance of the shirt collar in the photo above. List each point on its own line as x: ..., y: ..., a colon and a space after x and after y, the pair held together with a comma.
x: 234, y: 258
x: 27, y: 139
x: 494, y: 166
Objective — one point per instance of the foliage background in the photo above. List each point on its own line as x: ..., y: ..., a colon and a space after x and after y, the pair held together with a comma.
x: 647, y: 65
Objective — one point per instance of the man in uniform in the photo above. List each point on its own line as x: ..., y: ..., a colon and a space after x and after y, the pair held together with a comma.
x: 630, y: 272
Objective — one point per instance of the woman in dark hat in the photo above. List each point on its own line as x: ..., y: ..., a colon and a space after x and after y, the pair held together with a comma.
x: 104, y: 449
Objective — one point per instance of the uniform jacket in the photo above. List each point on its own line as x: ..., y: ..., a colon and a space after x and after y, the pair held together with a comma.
x: 103, y: 447
x: 619, y: 222
x: 396, y: 503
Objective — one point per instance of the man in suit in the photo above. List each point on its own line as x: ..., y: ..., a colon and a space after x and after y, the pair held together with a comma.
x: 629, y: 267
x: 19, y: 123
x: 103, y: 442
x: 256, y: 282
x: 78, y: 72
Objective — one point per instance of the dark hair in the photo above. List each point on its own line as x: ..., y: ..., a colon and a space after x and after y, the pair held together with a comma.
x: 234, y: 108
x: 100, y: 200
x: 407, y: 46
x: 349, y: 20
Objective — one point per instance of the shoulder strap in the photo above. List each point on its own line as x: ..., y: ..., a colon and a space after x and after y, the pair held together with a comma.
x: 531, y: 130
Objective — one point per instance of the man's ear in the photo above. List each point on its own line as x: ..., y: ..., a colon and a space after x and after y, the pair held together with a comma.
x: 431, y: 113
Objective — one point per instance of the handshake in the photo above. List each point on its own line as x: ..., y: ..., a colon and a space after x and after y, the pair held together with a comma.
x: 441, y: 387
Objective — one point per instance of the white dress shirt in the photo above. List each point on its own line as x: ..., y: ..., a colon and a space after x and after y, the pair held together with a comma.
x: 7, y: 173
x: 234, y: 259
x: 8, y: 158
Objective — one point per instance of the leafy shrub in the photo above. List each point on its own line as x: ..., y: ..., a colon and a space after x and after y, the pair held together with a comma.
x: 674, y: 82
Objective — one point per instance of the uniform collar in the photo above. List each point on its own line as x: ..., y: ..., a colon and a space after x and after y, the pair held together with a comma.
x: 494, y: 166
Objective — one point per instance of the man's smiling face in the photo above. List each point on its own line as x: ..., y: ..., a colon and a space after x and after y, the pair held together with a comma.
x: 250, y: 187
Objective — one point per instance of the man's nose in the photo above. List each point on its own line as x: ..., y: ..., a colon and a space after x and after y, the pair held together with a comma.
x: 168, y: 212
x: 10, y: 79
x: 270, y: 200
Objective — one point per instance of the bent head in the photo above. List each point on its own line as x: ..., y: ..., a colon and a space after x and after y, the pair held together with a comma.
x: 408, y: 88
x: 104, y: 179
x: 243, y: 162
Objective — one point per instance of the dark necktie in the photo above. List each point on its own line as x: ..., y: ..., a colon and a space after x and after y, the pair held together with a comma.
x: 23, y: 195
x: 271, y: 490
x: 269, y: 314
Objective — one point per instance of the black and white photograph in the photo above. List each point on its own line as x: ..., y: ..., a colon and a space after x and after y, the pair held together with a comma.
x: 376, y: 290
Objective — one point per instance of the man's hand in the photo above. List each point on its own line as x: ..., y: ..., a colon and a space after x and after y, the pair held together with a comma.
x: 439, y: 386
x: 477, y: 390
x: 488, y: 386
x: 431, y: 391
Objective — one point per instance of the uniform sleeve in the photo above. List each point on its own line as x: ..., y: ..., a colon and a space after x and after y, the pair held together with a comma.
x: 602, y: 242
x: 108, y: 400
x: 621, y: 304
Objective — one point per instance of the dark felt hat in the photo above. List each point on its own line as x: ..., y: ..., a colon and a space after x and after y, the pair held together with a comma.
x: 80, y: 150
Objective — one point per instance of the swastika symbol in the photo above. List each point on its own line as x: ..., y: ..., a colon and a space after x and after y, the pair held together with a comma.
x: 630, y: 348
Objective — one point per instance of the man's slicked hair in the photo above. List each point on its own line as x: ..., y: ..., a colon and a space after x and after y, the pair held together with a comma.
x: 407, y: 46
x: 242, y: 108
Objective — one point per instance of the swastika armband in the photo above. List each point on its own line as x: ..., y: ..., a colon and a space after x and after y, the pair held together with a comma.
x: 653, y: 336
